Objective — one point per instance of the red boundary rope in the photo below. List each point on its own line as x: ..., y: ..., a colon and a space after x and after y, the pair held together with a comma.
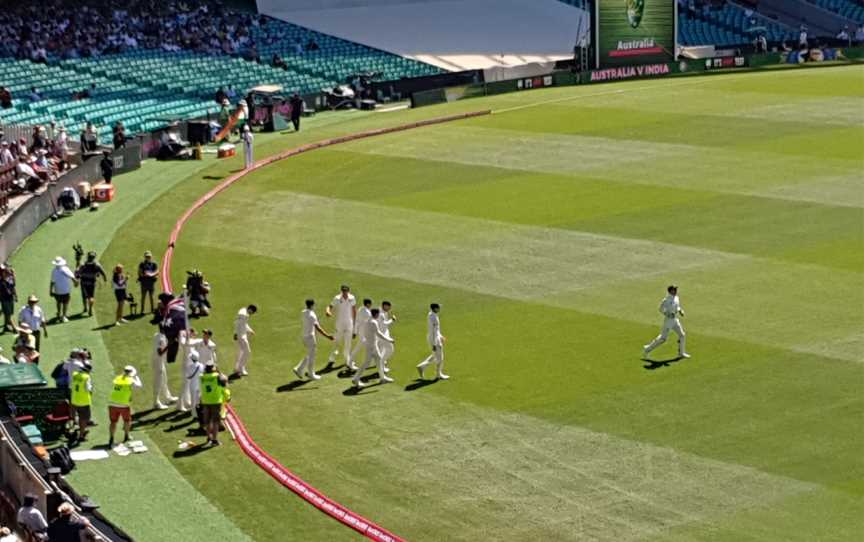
x: 250, y: 448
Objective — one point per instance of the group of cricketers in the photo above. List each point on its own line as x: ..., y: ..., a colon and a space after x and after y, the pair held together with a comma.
x: 371, y: 327
x: 205, y: 388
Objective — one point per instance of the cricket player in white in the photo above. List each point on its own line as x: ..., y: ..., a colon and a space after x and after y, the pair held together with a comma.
x: 345, y: 307
x: 161, y: 394
x: 671, y: 309
x: 190, y: 358
x: 309, y: 321
x: 385, y: 320
x: 363, y: 316
x: 241, y: 335
x: 436, y: 341
x: 374, y: 337
x: 191, y: 383
x: 206, y: 348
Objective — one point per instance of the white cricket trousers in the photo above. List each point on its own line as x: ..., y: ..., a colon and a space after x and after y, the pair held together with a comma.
x: 361, y: 343
x: 161, y: 393
x: 387, y: 351
x: 670, y: 324
x: 191, y: 393
x: 307, y: 364
x: 243, y: 353
x: 373, y: 355
x: 248, y: 155
x: 436, y: 356
x: 342, y: 343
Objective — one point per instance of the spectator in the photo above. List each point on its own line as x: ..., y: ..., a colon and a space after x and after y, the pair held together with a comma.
x: 87, y: 274
x: 30, y: 517
x: 7, y: 535
x: 8, y: 296
x: 107, y: 167
x: 66, y: 528
x: 221, y: 96
x: 119, y: 281
x: 34, y: 317
x: 296, y: 110
x: 25, y: 346
x: 61, y: 148
x: 802, y: 37
x: 859, y: 34
x: 277, y: 62
x: 89, y: 141
x: 5, y: 98
x: 148, y: 273
x: 119, y: 138
x: 231, y: 93
x: 6, y: 156
x: 844, y: 36
x: 62, y: 280
x: 34, y: 96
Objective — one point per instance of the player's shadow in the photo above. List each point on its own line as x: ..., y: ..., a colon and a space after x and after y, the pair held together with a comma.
x: 140, y: 420
x: 420, y: 383
x: 293, y: 386
x: 329, y: 368
x: 354, y: 391
x: 653, y: 365
x: 192, y: 450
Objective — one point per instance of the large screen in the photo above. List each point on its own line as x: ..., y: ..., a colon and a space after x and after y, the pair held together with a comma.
x: 633, y: 32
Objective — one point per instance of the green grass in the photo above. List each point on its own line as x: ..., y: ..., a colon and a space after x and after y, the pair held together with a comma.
x: 548, y: 234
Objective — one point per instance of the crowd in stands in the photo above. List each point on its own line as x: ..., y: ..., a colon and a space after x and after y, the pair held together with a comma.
x: 64, y: 29
x: 38, y: 161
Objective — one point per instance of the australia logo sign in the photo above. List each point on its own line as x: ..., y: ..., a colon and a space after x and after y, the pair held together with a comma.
x: 635, y: 10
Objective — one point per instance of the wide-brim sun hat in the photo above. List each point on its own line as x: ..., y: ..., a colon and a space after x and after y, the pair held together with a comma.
x: 58, y: 261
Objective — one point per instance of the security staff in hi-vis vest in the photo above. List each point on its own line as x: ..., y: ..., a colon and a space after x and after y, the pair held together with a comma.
x: 81, y: 398
x: 120, y: 402
x: 213, y: 386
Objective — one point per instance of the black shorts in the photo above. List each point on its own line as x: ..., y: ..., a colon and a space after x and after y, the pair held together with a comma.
x: 89, y: 290
x: 62, y: 298
x: 147, y: 286
x: 120, y: 295
x: 211, y: 413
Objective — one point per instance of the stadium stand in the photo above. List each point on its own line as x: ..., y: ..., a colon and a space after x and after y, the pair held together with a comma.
x: 147, y: 84
x: 846, y: 8
x: 728, y: 25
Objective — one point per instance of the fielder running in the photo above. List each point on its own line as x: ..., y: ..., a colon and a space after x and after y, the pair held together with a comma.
x: 310, y: 341
x: 345, y: 307
x: 363, y: 316
x: 436, y: 341
x: 241, y: 335
x: 373, y: 336
x: 670, y: 307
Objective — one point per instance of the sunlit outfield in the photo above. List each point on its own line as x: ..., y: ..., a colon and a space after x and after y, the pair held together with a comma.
x: 548, y: 232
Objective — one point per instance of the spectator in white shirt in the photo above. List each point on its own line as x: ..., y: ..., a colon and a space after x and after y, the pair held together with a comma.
x: 6, y: 156
x: 62, y: 282
x: 30, y: 517
x: 33, y: 316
